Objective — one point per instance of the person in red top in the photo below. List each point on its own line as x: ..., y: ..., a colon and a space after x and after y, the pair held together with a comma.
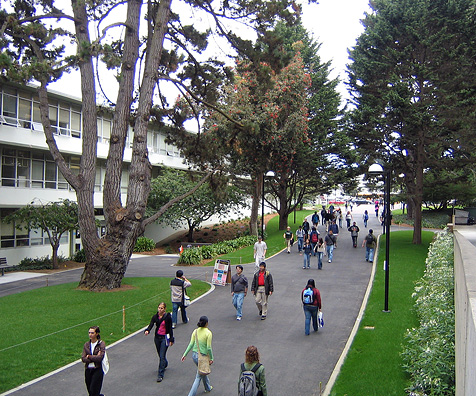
x: 262, y: 287
x: 311, y: 299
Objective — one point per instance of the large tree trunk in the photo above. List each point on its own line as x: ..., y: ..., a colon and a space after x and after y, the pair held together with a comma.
x: 283, y: 206
x: 255, y: 203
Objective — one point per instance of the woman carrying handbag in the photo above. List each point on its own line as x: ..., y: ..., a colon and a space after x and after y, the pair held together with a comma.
x: 201, y: 343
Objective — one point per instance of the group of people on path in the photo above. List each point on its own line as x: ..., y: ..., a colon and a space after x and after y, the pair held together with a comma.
x: 309, y: 243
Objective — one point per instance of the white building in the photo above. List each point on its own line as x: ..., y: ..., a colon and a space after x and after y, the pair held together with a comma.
x: 28, y: 173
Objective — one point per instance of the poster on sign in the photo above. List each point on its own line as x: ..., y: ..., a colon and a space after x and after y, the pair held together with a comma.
x: 221, y: 272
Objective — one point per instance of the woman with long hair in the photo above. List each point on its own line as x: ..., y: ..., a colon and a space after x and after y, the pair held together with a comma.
x: 252, y: 364
x: 311, y: 300
x: 164, y: 336
x: 92, y: 356
x: 200, y: 342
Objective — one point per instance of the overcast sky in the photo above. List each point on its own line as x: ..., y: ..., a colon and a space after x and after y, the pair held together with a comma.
x: 336, y: 25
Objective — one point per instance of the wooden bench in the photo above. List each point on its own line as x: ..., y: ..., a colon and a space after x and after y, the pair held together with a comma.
x: 4, y: 265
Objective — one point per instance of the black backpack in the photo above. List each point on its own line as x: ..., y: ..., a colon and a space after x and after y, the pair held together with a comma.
x: 369, y: 239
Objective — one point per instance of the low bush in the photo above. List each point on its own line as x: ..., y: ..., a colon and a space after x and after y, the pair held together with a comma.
x: 429, y: 350
x: 194, y: 256
x: 430, y: 219
x: 38, y: 263
x: 79, y: 256
x: 144, y: 244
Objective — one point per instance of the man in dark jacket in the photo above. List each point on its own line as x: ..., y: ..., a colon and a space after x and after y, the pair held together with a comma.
x: 262, y: 287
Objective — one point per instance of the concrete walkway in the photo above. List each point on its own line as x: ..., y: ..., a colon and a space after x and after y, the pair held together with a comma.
x: 295, y: 364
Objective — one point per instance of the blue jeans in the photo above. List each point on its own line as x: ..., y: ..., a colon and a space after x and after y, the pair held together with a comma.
x: 369, y: 254
x: 330, y: 251
x: 313, y: 247
x: 310, y: 311
x: 238, y: 303
x: 319, y: 259
x: 300, y: 242
x: 307, y: 260
x: 175, y: 307
x: 160, y: 345
x: 198, y: 378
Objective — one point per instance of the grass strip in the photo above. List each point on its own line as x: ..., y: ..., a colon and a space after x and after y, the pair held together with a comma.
x: 44, y: 329
x: 373, y: 366
x: 274, y: 240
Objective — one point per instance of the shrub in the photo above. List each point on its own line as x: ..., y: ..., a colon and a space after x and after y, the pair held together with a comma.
x: 144, y: 244
x: 428, y: 352
x: 79, y: 256
x: 194, y: 256
x: 38, y: 263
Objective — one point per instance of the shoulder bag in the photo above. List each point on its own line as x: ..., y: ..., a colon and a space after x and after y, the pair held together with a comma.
x: 203, y: 361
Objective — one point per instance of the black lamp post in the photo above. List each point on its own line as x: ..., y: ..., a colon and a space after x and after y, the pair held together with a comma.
x: 267, y: 174
x: 377, y: 169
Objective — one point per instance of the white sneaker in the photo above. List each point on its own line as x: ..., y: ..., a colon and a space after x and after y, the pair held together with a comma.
x: 330, y: 261
x: 238, y: 318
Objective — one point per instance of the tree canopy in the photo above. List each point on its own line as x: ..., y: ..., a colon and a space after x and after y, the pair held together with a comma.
x: 42, y: 40
x: 54, y: 218
x: 412, y: 85
x: 218, y: 199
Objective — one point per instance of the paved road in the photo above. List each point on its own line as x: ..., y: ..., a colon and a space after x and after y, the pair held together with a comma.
x: 285, y: 350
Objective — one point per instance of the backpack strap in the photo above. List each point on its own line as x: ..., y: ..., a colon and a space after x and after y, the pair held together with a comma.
x: 255, y: 368
x: 243, y: 368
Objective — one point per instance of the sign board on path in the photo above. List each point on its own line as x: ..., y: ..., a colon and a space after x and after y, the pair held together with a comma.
x: 221, y: 273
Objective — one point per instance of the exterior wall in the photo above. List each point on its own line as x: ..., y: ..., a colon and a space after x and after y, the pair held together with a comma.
x: 465, y: 312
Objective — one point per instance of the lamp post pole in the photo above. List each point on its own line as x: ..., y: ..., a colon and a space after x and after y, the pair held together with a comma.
x: 262, y: 210
x: 387, y: 219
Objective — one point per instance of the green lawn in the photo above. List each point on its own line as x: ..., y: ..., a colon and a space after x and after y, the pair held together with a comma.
x: 33, y: 320
x: 274, y: 240
x: 373, y: 366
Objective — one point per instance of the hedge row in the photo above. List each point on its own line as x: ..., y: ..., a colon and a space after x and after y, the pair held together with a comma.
x: 428, y: 352
x: 194, y: 256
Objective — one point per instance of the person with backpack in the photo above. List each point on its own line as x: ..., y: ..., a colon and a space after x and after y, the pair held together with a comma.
x: 315, y: 219
x: 366, y: 218
x: 311, y: 302
x: 323, y: 215
x: 370, y: 242
x: 177, y: 288
x: 354, y: 233
x: 313, y: 239
x: 252, y: 381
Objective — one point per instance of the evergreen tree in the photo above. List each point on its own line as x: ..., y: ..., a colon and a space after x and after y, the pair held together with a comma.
x: 412, y: 84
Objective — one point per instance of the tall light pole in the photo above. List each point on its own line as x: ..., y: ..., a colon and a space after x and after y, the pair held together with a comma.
x: 267, y: 174
x: 377, y: 169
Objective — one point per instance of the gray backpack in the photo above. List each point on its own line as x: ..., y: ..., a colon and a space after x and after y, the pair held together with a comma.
x: 247, y: 385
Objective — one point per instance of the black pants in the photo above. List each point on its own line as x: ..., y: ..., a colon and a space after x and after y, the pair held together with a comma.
x: 94, y: 379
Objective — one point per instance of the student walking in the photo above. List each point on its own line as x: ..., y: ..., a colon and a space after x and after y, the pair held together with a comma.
x: 239, y: 288
x: 311, y: 302
x: 260, y: 249
x: 177, y: 289
x: 366, y: 218
x: 330, y: 241
x: 288, y: 235
x: 320, y: 249
x: 92, y: 357
x: 370, y: 242
x: 262, y: 287
x: 307, y: 255
x: 200, y: 342
x: 354, y: 233
x: 300, y: 238
x: 163, y: 336
x: 252, y: 364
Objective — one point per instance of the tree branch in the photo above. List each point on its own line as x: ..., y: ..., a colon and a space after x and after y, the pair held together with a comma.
x: 164, y: 208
